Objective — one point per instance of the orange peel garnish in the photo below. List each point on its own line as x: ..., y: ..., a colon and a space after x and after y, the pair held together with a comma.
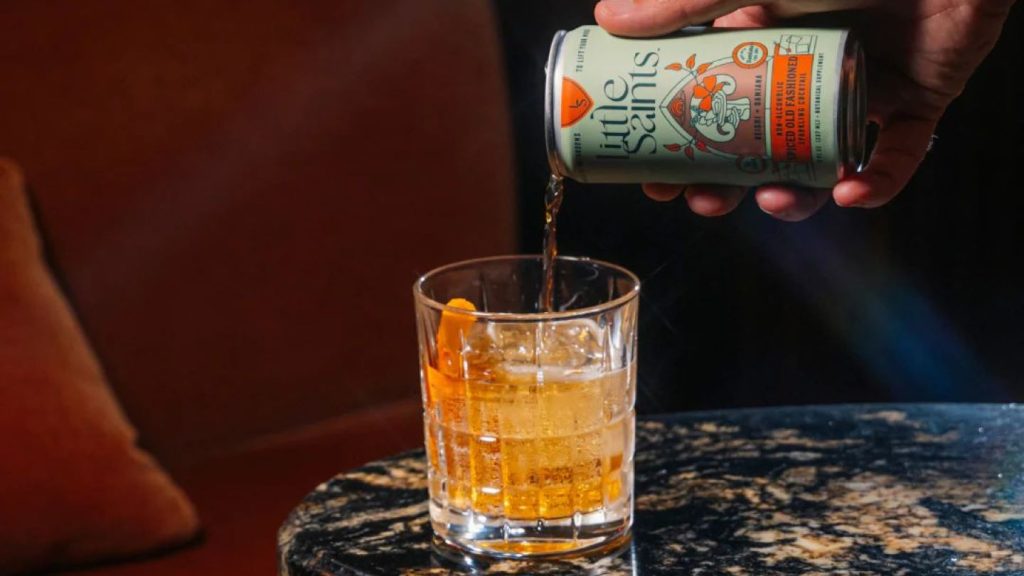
x: 451, y: 333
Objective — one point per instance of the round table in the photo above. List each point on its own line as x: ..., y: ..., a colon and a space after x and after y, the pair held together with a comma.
x: 912, y: 490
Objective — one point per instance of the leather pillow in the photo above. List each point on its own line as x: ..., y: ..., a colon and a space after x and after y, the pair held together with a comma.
x: 74, y: 487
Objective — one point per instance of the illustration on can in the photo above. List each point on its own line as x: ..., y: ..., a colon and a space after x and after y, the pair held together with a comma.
x: 722, y: 106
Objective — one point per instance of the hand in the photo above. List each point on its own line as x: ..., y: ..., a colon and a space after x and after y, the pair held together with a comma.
x: 920, y: 55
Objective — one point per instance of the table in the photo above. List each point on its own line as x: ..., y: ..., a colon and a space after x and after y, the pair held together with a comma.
x: 911, y: 490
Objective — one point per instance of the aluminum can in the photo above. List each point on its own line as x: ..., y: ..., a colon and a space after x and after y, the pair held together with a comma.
x: 713, y: 105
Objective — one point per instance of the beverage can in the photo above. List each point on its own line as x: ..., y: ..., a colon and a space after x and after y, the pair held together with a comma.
x: 713, y: 105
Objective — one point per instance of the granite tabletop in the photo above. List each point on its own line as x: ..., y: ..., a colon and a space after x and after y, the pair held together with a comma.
x: 911, y: 490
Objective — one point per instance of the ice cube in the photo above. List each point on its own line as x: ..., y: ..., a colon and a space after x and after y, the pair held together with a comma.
x: 572, y: 344
x: 480, y: 355
x: 565, y: 344
x: 515, y: 342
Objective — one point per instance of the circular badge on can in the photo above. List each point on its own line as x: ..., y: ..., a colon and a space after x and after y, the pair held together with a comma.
x: 750, y: 54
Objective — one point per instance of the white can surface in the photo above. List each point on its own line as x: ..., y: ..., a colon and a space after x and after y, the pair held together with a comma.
x: 726, y: 106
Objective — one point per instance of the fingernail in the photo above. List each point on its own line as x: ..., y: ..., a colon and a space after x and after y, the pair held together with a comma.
x: 615, y: 7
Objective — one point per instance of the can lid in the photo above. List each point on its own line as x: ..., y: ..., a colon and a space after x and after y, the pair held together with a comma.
x: 853, y: 109
x: 552, y: 110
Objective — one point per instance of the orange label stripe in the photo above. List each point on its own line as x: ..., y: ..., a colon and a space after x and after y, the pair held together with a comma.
x: 791, y: 107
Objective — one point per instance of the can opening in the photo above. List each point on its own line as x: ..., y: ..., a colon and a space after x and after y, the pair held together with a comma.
x: 552, y: 110
x: 853, y: 110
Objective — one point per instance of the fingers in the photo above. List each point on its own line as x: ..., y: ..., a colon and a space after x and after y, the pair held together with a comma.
x: 755, y: 17
x: 703, y: 199
x: 708, y: 200
x: 901, y: 147
x: 662, y: 192
x: 654, y: 17
x: 778, y: 200
x: 793, y: 8
x: 789, y: 203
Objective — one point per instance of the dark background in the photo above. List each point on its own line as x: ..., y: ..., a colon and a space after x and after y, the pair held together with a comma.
x: 921, y: 300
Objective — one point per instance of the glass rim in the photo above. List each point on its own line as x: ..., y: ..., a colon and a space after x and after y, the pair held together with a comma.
x: 422, y: 298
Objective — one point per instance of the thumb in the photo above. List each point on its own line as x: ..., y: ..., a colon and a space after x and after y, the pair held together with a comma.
x: 655, y: 17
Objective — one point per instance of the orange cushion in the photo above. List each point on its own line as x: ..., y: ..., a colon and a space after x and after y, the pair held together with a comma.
x: 219, y: 182
x: 73, y: 485
x: 245, y: 495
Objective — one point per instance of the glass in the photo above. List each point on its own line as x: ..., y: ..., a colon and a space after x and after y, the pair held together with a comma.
x: 529, y: 415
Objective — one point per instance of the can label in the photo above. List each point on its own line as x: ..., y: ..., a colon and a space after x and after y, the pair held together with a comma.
x: 728, y: 106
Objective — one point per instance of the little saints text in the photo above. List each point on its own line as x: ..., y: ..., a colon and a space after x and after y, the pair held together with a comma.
x: 627, y: 121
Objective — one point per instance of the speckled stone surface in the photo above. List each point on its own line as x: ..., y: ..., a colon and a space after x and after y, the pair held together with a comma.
x: 853, y: 490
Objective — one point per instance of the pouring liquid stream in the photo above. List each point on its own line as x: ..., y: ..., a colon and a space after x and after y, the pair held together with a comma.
x: 552, y: 202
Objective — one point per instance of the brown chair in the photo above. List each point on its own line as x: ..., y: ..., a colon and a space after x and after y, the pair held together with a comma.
x: 237, y: 198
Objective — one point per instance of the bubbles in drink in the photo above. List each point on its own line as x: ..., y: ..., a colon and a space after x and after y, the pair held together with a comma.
x: 529, y: 417
x: 533, y: 426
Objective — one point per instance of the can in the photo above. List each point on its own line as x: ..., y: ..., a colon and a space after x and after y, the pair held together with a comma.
x: 714, y: 105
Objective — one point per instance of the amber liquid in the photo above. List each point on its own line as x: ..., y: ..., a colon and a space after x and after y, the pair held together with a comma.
x: 529, y: 440
x: 552, y: 202
x: 508, y: 446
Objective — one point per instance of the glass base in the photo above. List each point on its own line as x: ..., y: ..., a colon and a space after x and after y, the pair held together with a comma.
x: 597, y: 533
